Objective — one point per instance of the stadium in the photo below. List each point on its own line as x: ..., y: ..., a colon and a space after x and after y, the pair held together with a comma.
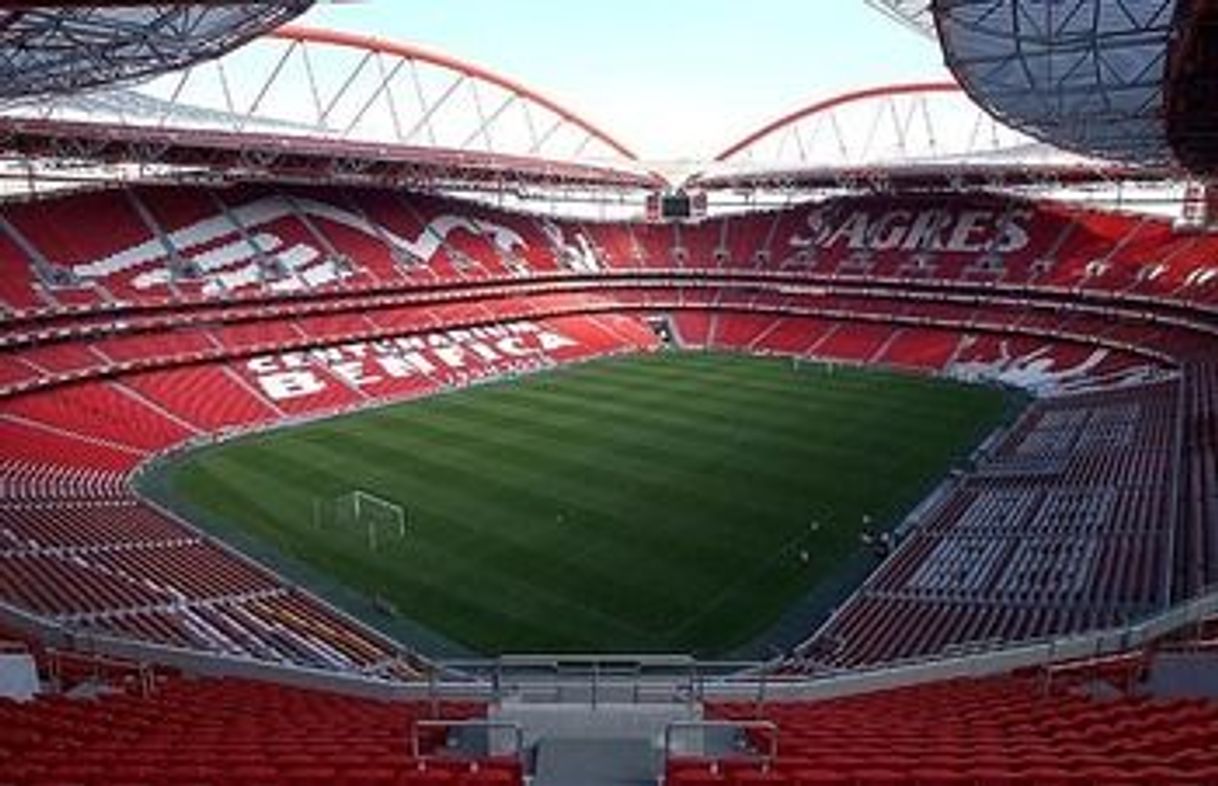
x: 369, y: 417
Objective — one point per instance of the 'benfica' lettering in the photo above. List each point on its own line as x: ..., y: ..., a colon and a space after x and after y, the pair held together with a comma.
x: 932, y: 229
x: 291, y: 384
x: 474, y: 351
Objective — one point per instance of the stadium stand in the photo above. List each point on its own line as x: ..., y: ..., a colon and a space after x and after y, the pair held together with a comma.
x: 1086, y: 722
x: 379, y: 237
x: 108, y: 564
x: 1063, y: 526
x: 115, y: 721
x: 171, y: 328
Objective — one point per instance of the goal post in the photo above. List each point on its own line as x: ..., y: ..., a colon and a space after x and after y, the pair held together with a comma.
x: 373, y: 519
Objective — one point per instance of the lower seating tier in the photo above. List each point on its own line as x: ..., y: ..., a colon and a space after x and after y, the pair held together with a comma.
x: 177, y: 729
x: 1011, y: 729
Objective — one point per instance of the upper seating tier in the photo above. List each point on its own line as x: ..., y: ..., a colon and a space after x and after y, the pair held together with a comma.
x: 158, y: 243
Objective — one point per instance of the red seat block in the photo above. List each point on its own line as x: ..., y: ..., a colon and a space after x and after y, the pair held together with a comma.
x: 821, y: 778
x: 761, y: 778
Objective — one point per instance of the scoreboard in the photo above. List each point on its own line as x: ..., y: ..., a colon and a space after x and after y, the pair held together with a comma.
x: 674, y: 206
x: 1199, y: 208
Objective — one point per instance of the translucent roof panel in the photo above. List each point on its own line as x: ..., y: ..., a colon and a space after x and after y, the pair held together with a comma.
x: 1086, y: 75
x: 69, y: 48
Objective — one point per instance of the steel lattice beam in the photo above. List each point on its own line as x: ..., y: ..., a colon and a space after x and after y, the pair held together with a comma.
x: 273, y: 156
x: 918, y: 136
x: 308, y: 103
x: 996, y: 177
x: 914, y: 14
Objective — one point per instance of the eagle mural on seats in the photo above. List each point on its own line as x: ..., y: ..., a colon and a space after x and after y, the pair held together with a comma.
x: 232, y: 250
x: 1042, y: 374
x: 578, y: 257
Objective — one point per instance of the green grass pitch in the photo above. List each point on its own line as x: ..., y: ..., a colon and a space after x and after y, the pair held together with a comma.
x: 644, y: 504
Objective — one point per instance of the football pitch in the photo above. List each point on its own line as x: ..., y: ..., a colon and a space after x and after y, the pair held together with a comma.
x: 664, y: 503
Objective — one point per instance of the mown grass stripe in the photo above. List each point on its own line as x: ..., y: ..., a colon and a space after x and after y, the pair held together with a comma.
x: 656, y: 503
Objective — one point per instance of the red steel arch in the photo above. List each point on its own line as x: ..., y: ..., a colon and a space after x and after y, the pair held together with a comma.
x: 309, y: 35
x: 885, y: 91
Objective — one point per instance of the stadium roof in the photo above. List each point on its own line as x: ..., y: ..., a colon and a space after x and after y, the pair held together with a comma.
x: 916, y: 136
x: 56, y: 47
x: 1126, y: 80
x: 1085, y: 75
x: 315, y: 104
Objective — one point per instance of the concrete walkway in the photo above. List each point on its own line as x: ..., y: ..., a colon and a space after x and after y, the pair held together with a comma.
x: 612, y: 745
x: 597, y: 762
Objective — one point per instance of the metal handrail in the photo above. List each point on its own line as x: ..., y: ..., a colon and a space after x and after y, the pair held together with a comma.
x: 769, y: 727
x: 472, y: 723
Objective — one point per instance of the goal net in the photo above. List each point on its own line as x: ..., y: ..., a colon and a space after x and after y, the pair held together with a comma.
x: 375, y: 521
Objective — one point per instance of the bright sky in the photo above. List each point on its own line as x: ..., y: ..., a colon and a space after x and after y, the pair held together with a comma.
x: 670, y: 78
